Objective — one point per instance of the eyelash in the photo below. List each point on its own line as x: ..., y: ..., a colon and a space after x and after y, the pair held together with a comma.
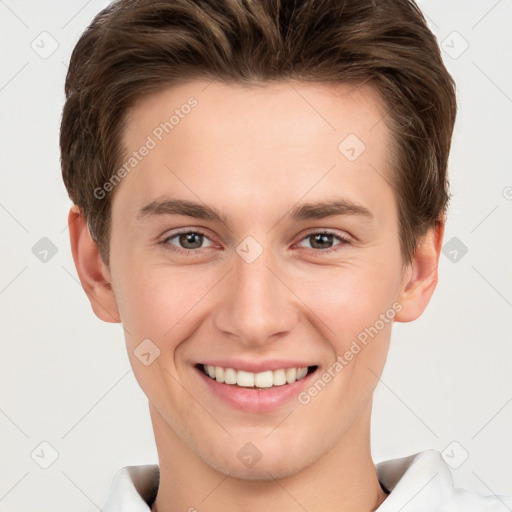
x: 165, y: 243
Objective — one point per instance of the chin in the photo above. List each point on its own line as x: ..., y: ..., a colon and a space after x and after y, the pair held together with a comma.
x: 263, y: 470
x: 272, y: 461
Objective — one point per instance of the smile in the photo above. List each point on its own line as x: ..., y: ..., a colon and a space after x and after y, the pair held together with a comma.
x: 261, y: 380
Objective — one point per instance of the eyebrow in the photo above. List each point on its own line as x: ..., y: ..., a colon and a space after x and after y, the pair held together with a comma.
x: 168, y: 206
x: 324, y: 209
x: 307, y: 211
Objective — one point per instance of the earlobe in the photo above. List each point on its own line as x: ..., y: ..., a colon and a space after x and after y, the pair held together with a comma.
x: 420, y: 278
x: 94, y: 275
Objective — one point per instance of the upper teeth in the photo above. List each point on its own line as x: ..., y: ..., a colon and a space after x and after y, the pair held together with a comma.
x: 260, y: 380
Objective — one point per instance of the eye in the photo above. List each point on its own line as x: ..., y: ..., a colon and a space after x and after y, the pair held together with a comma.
x: 186, y: 241
x: 192, y: 241
x: 323, y: 241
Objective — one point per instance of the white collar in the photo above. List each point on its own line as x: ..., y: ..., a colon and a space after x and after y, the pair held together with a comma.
x: 418, y: 483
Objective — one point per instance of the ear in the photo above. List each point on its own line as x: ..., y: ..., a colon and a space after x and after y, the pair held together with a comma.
x: 94, y: 275
x: 420, y: 276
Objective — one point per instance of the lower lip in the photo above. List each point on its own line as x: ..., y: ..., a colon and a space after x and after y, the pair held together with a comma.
x: 255, y: 400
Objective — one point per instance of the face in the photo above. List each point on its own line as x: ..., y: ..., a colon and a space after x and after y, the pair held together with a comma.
x: 257, y: 235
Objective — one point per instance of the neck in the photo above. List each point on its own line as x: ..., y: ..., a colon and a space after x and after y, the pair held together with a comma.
x: 345, y: 479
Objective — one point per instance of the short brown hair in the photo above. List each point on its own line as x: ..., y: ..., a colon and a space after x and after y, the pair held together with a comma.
x: 134, y: 47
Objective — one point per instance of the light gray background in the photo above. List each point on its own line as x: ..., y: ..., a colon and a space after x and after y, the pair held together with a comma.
x: 65, y: 376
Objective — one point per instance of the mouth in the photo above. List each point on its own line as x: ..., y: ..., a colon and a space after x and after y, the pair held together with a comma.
x: 272, y: 386
x: 264, y: 380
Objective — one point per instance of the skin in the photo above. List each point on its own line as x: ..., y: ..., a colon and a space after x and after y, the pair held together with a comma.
x: 255, y: 153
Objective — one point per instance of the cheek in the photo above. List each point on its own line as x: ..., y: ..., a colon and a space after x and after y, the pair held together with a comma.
x: 158, y: 302
x: 347, y: 299
x: 355, y: 312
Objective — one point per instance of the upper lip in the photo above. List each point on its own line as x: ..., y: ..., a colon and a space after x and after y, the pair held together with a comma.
x: 257, y: 366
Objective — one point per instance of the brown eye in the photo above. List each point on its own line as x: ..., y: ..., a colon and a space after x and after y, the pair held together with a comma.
x: 184, y: 241
x: 323, y: 242
x: 190, y: 240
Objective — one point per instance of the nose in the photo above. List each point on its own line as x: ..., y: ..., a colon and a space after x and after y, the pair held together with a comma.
x: 257, y: 305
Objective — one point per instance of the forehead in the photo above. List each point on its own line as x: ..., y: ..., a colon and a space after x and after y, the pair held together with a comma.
x: 282, y: 136
x: 317, y: 108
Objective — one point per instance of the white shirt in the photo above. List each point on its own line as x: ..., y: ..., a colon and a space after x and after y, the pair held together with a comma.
x: 418, y: 483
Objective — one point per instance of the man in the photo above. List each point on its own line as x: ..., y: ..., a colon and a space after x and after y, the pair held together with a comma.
x: 301, y: 149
